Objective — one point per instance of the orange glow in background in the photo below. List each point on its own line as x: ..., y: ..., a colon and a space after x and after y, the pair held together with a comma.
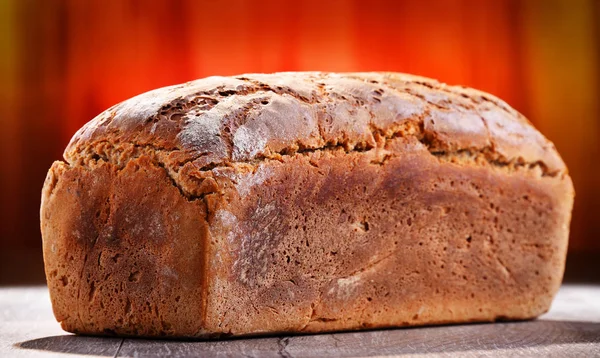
x: 63, y: 62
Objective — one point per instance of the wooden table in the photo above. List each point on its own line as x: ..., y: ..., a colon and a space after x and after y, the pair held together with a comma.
x: 571, y: 328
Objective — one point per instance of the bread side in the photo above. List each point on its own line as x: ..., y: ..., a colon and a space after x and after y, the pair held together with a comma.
x: 337, y: 241
x: 123, y: 250
x: 304, y: 202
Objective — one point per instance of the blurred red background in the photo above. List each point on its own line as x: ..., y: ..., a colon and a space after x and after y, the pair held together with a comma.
x: 63, y: 62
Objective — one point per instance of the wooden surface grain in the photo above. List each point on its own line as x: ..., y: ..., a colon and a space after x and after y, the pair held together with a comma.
x: 571, y: 328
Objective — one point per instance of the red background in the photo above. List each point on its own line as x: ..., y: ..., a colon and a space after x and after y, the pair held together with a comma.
x: 63, y: 62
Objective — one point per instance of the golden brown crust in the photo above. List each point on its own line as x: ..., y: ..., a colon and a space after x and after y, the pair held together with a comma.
x: 304, y: 202
x: 220, y: 120
x: 338, y: 241
x: 123, y: 250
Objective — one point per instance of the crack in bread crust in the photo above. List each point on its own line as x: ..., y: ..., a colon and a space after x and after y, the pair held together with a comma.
x: 120, y: 154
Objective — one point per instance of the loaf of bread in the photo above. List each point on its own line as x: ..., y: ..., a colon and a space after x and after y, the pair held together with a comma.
x: 303, y: 202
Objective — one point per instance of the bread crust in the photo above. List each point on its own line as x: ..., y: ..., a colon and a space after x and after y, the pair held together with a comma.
x: 304, y: 202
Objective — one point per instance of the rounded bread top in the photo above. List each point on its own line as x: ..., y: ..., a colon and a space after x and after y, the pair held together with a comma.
x: 219, y: 120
